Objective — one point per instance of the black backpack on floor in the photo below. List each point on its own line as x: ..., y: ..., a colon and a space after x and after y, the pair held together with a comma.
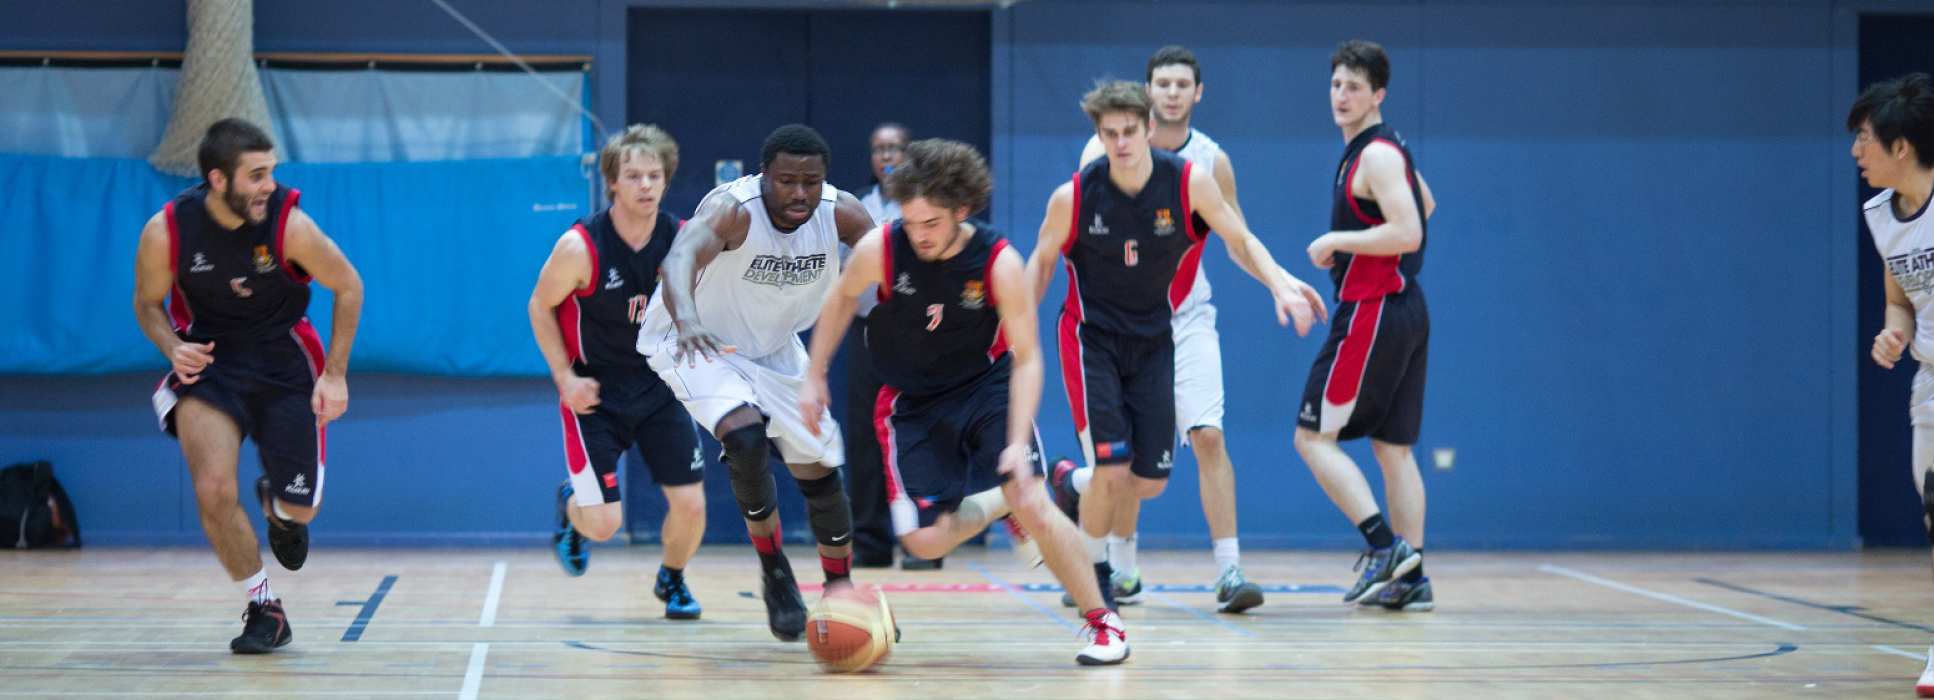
x: 34, y: 510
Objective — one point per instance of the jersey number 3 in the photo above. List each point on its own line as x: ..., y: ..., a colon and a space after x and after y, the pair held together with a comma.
x: 1130, y: 258
x: 934, y: 312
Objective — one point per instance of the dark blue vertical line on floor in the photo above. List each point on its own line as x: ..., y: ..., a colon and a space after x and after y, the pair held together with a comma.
x: 355, y: 630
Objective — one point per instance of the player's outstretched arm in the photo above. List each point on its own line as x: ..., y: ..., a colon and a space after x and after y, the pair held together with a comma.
x: 1053, y: 235
x: 1014, y: 299
x: 863, y: 269
x: 720, y: 224
x: 1295, y: 301
x: 564, y: 273
x: 305, y: 244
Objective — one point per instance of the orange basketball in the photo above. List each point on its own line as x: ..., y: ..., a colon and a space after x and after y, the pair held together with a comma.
x: 850, y: 630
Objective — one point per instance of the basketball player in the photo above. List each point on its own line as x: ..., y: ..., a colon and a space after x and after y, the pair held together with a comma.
x: 1132, y: 226
x: 585, y: 313
x: 1175, y: 85
x: 1368, y: 381
x: 954, y: 340
x: 1893, y: 126
x: 749, y: 272
x: 221, y: 287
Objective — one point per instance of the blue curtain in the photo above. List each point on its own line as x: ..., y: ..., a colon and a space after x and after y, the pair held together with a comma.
x: 448, y: 252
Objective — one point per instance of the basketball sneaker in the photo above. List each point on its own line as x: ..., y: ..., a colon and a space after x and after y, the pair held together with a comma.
x: 1061, y: 482
x: 679, y: 603
x: 1107, y: 641
x: 566, y: 543
x: 1385, y: 565
x: 785, y: 610
x: 1407, y: 596
x: 1025, y: 548
x: 1234, y: 594
x: 1116, y: 590
x: 288, y: 539
x: 264, y: 627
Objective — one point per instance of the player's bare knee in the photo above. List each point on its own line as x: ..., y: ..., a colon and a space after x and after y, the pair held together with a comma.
x: 925, y: 543
x: 298, y: 514
x: 1206, y: 439
x: 1307, y: 440
x: 601, y: 522
x: 1391, y: 456
x: 215, y: 493
x: 685, y: 502
x: 1146, y: 488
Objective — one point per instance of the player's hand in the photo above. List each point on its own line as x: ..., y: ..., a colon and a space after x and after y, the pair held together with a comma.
x: 189, y: 359
x: 330, y: 399
x: 1887, y: 347
x: 580, y: 393
x: 812, y: 401
x: 1017, y: 462
x: 695, y: 343
x: 1322, y: 251
x: 1299, y: 303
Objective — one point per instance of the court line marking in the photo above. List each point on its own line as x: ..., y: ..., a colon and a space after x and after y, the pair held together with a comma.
x: 355, y: 630
x: 1848, y: 610
x: 1666, y: 597
x: 495, y: 595
x: 1211, y: 617
x: 1898, y: 652
x: 473, y: 676
x: 1015, y: 593
x: 206, y: 693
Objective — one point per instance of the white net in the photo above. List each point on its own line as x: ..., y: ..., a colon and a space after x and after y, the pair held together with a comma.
x: 218, y: 80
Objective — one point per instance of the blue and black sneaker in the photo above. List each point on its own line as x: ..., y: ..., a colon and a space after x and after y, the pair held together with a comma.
x: 1385, y: 565
x: 679, y: 603
x: 1408, y: 596
x: 566, y: 543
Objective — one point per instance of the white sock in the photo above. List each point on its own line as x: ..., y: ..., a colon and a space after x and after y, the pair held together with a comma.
x: 1121, y: 554
x: 1227, y: 556
x: 1097, y: 548
x: 257, y: 587
x: 1080, y: 479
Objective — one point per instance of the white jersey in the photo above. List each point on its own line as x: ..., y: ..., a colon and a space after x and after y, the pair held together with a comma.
x: 1202, y: 151
x: 760, y: 295
x: 1907, y: 246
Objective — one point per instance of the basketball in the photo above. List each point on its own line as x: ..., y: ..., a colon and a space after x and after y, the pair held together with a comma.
x: 850, y: 630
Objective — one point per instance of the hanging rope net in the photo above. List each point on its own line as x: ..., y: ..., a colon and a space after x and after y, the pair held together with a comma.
x: 218, y: 80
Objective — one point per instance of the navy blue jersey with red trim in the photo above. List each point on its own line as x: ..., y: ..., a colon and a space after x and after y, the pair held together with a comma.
x: 937, y: 327
x: 1363, y: 277
x: 600, y: 321
x: 1132, y: 259
x: 232, y: 284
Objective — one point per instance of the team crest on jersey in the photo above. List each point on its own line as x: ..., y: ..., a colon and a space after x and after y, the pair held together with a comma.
x: 972, y: 296
x: 904, y: 285
x: 786, y: 271
x: 613, y: 281
x: 1097, y: 228
x: 201, y: 264
x: 1164, y: 223
x: 264, y: 263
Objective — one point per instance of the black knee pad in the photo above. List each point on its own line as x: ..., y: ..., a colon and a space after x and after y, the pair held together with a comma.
x: 745, y: 459
x: 828, y: 510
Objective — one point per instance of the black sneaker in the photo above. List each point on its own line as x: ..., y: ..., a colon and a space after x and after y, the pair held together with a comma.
x: 264, y: 628
x: 1234, y: 594
x: 1060, y: 482
x: 1385, y: 565
x: 785, y: 610
x: 1408, y: 596
x: 289, y: 540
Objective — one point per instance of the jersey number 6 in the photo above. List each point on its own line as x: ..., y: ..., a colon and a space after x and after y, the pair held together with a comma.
x: 1129, y: 257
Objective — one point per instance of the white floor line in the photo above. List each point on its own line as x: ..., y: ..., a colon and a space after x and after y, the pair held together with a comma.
x: 1898, y: 652
x: 473, y: 677
x: 1667, y: 597
x: 496, y: 594
x: 209, y: 693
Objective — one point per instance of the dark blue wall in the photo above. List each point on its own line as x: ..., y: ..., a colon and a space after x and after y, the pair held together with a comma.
x: 1640, y: 272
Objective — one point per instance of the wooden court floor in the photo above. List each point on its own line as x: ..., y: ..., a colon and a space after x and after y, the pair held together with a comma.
x: 508, y: 623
